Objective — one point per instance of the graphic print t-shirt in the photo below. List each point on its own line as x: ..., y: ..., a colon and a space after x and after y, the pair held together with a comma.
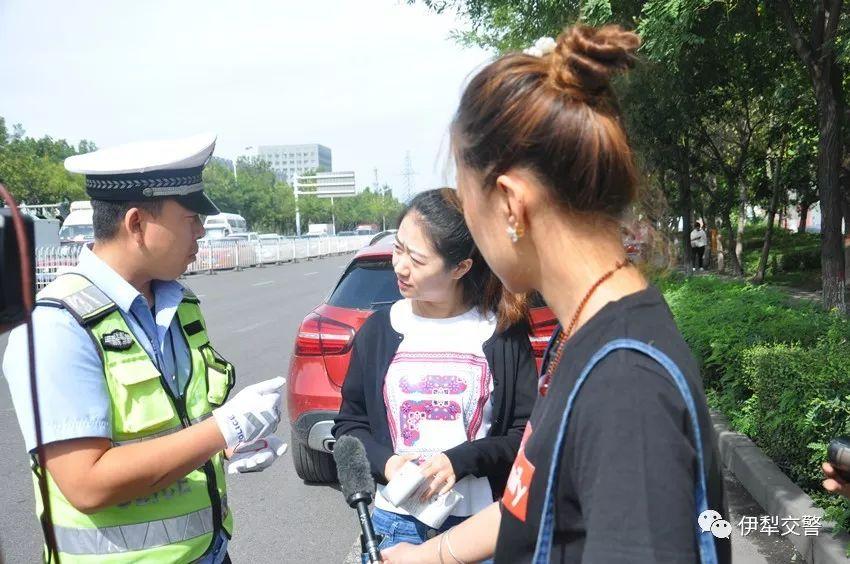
x: 437, y: 392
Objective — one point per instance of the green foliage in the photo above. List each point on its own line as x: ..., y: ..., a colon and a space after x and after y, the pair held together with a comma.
x: 780, y: 369
x: 789, y: 252
x: 800, y: 396
x: 722, y: 319
x: 32, y: 169
x: 719, y: 110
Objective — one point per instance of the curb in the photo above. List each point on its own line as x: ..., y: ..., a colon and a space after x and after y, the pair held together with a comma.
x: 776, y: 493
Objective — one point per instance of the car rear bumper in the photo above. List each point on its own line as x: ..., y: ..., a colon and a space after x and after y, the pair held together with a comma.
x: 314, y: 429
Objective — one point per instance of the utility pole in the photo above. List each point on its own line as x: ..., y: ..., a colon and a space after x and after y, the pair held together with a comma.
x: 236, y: 178
x: 408, y: 173
x: 297, y: 211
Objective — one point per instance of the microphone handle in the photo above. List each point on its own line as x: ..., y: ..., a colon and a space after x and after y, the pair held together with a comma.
x: 368, y: 538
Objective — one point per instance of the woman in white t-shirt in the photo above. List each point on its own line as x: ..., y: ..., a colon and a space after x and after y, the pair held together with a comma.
x: 445, y: 377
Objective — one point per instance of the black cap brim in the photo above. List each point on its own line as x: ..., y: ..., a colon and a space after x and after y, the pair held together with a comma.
x: 198, y: 202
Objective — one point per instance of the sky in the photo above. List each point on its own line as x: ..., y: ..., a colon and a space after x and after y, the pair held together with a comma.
x: 371, y: 79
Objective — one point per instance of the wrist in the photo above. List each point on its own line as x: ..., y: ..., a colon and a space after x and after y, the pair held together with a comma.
x: 389, y: 467
x: 228, y: 427
x: 213, y: 429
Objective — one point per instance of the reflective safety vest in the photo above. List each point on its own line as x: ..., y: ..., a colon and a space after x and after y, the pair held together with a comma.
x: 182, y: 522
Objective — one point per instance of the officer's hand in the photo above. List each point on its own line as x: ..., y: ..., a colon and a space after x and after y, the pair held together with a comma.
x: 256, y: 456
x: 252, y: 414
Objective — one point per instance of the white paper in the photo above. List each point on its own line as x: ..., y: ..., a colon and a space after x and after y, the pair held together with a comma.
x: 404, y: 483
x: 405, y: 491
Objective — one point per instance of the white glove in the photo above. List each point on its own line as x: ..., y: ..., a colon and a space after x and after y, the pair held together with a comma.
x: 252, y: 414
x: 257, y: 456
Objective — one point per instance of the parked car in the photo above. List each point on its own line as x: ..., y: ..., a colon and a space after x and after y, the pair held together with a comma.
x: 346, y: 233
x: 381, y: 235
x: 323, y: 349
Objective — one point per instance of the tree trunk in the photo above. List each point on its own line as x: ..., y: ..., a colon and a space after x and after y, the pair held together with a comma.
x: 721, y: 255
x: 742, y: 222
x: 732, y: 243
x: 804, y: 217
x: 768, y: 235
x: 684, y: 185
x: 829, y: 160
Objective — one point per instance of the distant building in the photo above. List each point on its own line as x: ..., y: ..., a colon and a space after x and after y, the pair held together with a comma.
x: 289, y: 160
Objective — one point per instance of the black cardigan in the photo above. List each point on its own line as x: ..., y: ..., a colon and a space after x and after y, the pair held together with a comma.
x: 363, y: 413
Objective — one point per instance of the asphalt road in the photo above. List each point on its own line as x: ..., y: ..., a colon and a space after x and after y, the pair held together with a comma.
x: 253, y: 316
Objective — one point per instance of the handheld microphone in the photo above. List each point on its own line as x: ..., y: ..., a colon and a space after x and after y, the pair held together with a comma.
x: 358, y: 487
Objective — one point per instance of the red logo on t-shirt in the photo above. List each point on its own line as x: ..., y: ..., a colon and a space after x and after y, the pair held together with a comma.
x: 515, y: 498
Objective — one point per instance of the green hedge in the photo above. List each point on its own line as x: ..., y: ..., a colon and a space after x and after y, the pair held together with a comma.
x: 800, y: 399
x: 778, y: 368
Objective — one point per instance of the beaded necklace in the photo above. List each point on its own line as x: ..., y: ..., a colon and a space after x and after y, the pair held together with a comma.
x: 564, y: 335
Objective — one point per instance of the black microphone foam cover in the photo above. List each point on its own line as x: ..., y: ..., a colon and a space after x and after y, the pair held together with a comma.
x: 352, y: 467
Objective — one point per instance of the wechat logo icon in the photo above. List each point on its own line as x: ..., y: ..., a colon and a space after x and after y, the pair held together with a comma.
x: 710, y: 520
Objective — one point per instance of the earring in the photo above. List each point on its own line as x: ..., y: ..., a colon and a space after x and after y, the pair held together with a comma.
x: 515, y: 232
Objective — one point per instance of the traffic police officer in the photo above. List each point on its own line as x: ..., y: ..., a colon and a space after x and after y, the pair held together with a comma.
x: 132, y: 394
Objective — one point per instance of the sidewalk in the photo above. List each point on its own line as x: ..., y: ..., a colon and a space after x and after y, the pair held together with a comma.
x: 756, y: 547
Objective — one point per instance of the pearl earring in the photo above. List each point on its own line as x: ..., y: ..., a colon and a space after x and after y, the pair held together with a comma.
x: 515, y: 232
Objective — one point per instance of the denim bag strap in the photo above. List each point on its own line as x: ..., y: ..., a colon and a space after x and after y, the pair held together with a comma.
x: 543, y: 550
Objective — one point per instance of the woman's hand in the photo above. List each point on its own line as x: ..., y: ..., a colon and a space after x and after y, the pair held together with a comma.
x: 439, y: 470
x: 395, y: 463
x: 404, y: 553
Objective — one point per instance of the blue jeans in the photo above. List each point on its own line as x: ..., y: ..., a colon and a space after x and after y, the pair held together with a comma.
x: 396, y: 528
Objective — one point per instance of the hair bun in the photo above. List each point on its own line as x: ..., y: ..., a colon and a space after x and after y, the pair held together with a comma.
x: 586, y: 58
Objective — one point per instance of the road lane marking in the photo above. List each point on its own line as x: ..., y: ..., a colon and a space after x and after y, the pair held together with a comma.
x: 266, y: 283
x: 252, y: 326
x: 310, y: 273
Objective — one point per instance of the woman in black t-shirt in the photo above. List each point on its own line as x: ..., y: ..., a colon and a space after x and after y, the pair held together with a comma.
x: 545, y: 172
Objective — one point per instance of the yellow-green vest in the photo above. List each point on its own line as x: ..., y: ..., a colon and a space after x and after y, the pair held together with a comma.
x: 181, y: 522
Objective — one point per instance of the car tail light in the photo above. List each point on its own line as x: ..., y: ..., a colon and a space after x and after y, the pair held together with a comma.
x: 319, y: 336
x: 540, y: 335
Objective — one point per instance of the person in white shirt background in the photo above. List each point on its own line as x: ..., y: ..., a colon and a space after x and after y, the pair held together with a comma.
x: 699, y: 240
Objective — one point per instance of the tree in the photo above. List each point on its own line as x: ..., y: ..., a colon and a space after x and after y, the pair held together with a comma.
x: 698, y: 120
x: 33, y: 169
x: 814, y: 39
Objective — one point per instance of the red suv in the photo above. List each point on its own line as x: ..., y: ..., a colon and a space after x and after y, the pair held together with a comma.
x: 323, y: 349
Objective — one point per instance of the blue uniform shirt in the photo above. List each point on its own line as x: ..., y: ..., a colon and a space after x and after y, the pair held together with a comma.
x: 72, y: 389
x: 72, y: 393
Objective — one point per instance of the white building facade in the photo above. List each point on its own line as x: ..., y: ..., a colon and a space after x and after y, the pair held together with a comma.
x: 289, y: 160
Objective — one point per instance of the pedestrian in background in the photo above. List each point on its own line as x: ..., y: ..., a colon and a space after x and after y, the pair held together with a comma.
x: 699, y: 240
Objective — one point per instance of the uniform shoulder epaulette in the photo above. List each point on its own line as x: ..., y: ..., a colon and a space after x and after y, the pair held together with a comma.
x: 189, y: 296
x: 77, y: 294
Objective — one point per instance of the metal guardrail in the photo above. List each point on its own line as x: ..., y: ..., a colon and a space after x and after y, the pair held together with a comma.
x: 215, y: 254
